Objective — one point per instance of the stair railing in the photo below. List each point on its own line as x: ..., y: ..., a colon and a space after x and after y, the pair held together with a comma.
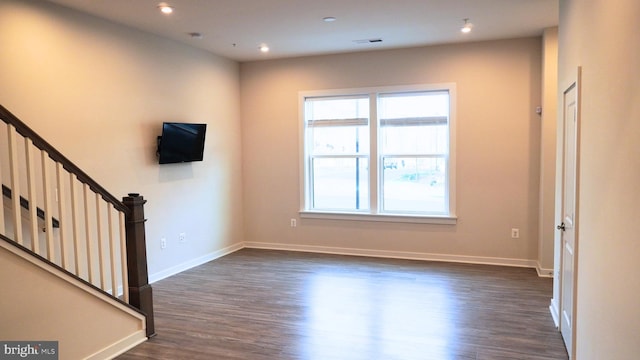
x: 71, y: 220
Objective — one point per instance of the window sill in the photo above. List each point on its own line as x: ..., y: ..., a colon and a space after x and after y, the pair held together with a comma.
x: 394, y: 218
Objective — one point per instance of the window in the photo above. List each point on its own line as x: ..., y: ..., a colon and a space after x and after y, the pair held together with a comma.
x: 379, y: 153
x: 338, y: 153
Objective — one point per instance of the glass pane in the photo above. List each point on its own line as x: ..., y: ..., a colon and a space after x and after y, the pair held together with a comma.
x: 414, y: 185
x: 417, y: 132
x: 340, y: 184
x: 426, y: 139
x: 411, y: 105
x: 339, y: 140
x: 336, y: 108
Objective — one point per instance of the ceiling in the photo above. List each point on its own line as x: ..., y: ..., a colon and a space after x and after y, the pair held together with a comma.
x: 236, y: 28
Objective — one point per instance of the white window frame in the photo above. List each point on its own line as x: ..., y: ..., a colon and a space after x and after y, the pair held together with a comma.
x: 374, y: 213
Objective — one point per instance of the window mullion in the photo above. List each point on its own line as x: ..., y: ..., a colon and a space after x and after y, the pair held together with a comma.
x: 374, y: 161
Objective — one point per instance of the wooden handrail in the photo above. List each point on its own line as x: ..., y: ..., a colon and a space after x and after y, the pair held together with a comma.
x: 24, y: 203
x: 56, y: 156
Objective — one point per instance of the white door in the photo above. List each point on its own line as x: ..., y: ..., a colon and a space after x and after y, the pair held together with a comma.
x: 568, y: 226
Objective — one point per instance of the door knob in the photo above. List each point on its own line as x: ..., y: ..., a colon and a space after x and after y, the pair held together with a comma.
x: 561, y: 227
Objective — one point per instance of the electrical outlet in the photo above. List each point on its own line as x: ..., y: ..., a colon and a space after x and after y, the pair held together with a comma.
x: 293, y: 223
x: 515, y: 233
x: 182, y: 237
x: 163, y: 243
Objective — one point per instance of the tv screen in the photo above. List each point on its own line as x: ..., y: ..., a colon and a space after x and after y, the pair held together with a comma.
x: 181, y: 142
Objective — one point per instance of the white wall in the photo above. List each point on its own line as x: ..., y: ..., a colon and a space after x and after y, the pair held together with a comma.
x: 601, y: 36
x: 498, y: 137
x: 99, y: 92
x: 548, y: 137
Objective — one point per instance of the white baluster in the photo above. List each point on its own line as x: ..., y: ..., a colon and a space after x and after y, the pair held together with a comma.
x: 87, y: 229
x: 112, y: 252
x: 123, y: 257
x: 61, y: 213
x: 100, y: 243
x: 2, y: 224
x: 47, y: 205
x: 15, y: 185
x: 33, y: 204
x: 74, y: 223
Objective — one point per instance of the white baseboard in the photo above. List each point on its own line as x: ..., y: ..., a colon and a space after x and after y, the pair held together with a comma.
x: 395, y: 254
x: 543, y: 272
x: 555, y: 312
x: 194, y: 262
x: 120, y: 347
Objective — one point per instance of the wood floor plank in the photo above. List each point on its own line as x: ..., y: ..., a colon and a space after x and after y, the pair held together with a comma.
x: 262, y: 304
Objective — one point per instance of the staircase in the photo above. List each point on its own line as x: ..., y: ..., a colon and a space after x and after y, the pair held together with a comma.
x: 72, y: 256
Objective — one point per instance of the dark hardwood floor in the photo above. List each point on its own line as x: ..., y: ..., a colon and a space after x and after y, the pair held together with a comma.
x: 260, y: 304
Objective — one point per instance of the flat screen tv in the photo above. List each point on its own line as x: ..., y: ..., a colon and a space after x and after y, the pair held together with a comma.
x: 181, y: 142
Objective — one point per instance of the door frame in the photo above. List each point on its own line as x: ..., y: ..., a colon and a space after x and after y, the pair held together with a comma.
x: 577, y: 84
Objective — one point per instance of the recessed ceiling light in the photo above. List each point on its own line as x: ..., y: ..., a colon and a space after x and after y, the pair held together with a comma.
x: 165, y: 8
x: 466, y: 28
x: 329, y: 19
x: 264, y: 48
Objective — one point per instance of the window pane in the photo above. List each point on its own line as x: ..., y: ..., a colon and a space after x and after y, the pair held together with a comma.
x: 414, y: 105
x: 414, y: 185
x: 340, y: 184
x: 340, y: 140
x: 428, y: 139
x: 414, y: 123
x: 336, y: 108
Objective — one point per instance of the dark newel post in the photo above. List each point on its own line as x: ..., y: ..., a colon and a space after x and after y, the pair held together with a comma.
x: 140, y: 295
